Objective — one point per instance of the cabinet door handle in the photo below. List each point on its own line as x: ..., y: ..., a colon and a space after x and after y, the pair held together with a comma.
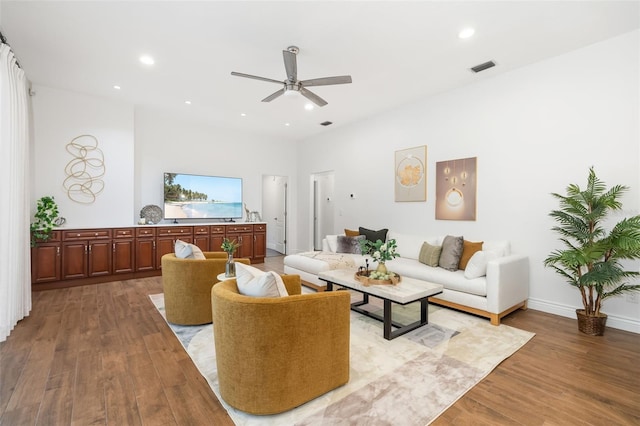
x: 57, y: 251
x: 114, y: 247
x: 254, y: 238
x: 86, y: 248
x: 89, y: 248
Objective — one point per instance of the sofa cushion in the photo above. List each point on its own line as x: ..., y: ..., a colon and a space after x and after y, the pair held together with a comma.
x: 351, y: 232
x: 256, y: 283
x: 429, y: 254
x: 332, y: 242
x: 372, y: 235
x: 452, y: 280
x: 184, y: 250
x: 409, y: 245
x: 468, y: 249
x: 349, y: 244
x: 451, y: 252
x: 477, y: 265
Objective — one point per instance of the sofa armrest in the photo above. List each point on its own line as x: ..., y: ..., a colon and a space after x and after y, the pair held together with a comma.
x: 507, y: 282
x: 292, y: 283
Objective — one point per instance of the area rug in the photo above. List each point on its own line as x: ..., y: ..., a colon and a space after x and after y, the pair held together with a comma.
x: 409, y: 380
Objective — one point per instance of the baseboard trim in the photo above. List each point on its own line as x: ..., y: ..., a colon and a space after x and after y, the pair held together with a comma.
x: 613, y: 321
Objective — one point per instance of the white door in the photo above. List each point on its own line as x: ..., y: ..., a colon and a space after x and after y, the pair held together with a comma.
x: 274, y: 208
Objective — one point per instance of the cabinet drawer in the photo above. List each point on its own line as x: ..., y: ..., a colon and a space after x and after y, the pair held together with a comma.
x: 174, y: 231
x: 217, y: 229
x: 239, y: 228
x: 201, y: 230
x: 260, y: 227
x: 123, y: 233
x: 54, y: 237
x: 145, y: 232
x: 86, y: 234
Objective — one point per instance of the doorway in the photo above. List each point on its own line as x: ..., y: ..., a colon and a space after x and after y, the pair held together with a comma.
x: 322, y: 208
x: 274, y: 212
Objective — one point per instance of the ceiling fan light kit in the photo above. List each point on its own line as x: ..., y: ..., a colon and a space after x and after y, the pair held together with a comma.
x: 293, y: 86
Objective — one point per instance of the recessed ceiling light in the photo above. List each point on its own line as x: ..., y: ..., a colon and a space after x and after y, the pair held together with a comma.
x: 308, y: 106
x: 147, y: 60
x: 187, y: 102
x: 287, y: 124
x: 242, y: 114
x: 116, y: 87
x: 466, y: 33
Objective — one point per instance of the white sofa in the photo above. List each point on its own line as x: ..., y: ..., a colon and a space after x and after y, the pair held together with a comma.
x: 503, y: 289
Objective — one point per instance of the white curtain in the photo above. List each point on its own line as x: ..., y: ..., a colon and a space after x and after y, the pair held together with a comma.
x: 15, y: 262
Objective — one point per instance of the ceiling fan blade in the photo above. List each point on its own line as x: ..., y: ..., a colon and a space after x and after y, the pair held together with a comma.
x: 290, y: 65
x: 274, y: 95
x: 255, y: 77
x: 326, y: 81
x: 312, y: 97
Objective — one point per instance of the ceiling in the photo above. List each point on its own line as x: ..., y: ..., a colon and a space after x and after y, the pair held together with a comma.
x: 396, y: 52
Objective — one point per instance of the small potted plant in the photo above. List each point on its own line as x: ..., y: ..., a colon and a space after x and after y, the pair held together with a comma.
x: 380, y: 252
x: 46, y: 215
x: 229, y: 246
x: 592, y: 255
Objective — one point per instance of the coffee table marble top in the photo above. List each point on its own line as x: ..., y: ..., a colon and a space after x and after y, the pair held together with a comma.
x: 408, y: 290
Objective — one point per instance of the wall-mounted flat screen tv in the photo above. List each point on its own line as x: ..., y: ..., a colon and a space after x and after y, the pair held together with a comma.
x: 202, y: 197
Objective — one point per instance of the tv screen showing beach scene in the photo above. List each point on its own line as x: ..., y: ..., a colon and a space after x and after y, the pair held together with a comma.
x: 202, y: 197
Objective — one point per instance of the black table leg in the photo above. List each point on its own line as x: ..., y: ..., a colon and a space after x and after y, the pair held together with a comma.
x: 387, y: 320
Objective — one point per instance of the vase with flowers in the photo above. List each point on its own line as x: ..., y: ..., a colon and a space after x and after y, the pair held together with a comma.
x: 381, y: 252
x: 229, y: 246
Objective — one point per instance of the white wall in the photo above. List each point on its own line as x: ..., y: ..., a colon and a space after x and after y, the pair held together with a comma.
x: 168, y: 144
x: 139, y: 145
x: 59, y: 116
x: 534, y: 131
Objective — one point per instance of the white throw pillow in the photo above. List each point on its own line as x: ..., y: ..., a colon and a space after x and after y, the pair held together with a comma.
x: 477, y: 265
x: 185, y: 250
x: 254, y: 282
x: 182, y: 249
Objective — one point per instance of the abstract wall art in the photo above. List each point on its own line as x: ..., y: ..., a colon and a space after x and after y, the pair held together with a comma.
x: 411, y: 174
x: 85, y: 170
x: 456, y: 189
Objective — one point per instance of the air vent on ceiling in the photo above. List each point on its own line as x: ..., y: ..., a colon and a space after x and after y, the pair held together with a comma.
x: 326, y: 123
x: 483, y: 67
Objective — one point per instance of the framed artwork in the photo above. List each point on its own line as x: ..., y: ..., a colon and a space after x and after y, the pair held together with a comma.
x: 456, y: 189
x: 411, y: 174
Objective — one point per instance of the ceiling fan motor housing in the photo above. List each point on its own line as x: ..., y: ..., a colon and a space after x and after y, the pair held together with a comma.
x: 292, y: 86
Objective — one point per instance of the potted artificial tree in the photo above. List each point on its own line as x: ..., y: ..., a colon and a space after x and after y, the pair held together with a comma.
x: 46, y: 215
x: 592, y: 255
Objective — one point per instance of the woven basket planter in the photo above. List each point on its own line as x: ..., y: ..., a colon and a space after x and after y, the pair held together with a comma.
x: 591, y: 325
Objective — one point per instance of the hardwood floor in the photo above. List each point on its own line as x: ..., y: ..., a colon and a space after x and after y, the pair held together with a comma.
x: 102, y: 354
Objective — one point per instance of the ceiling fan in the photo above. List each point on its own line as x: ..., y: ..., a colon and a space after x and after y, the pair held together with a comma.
x: 292, y: 84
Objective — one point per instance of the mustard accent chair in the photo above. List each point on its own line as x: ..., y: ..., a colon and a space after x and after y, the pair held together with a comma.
x: 274, y: 354
x: 187, y: 286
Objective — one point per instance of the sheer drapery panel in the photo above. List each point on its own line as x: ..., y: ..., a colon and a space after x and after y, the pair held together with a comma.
x: 15, y: 263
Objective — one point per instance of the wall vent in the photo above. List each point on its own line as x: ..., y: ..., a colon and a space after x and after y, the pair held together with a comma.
x: 326, y: 123
x: 483, y: 67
